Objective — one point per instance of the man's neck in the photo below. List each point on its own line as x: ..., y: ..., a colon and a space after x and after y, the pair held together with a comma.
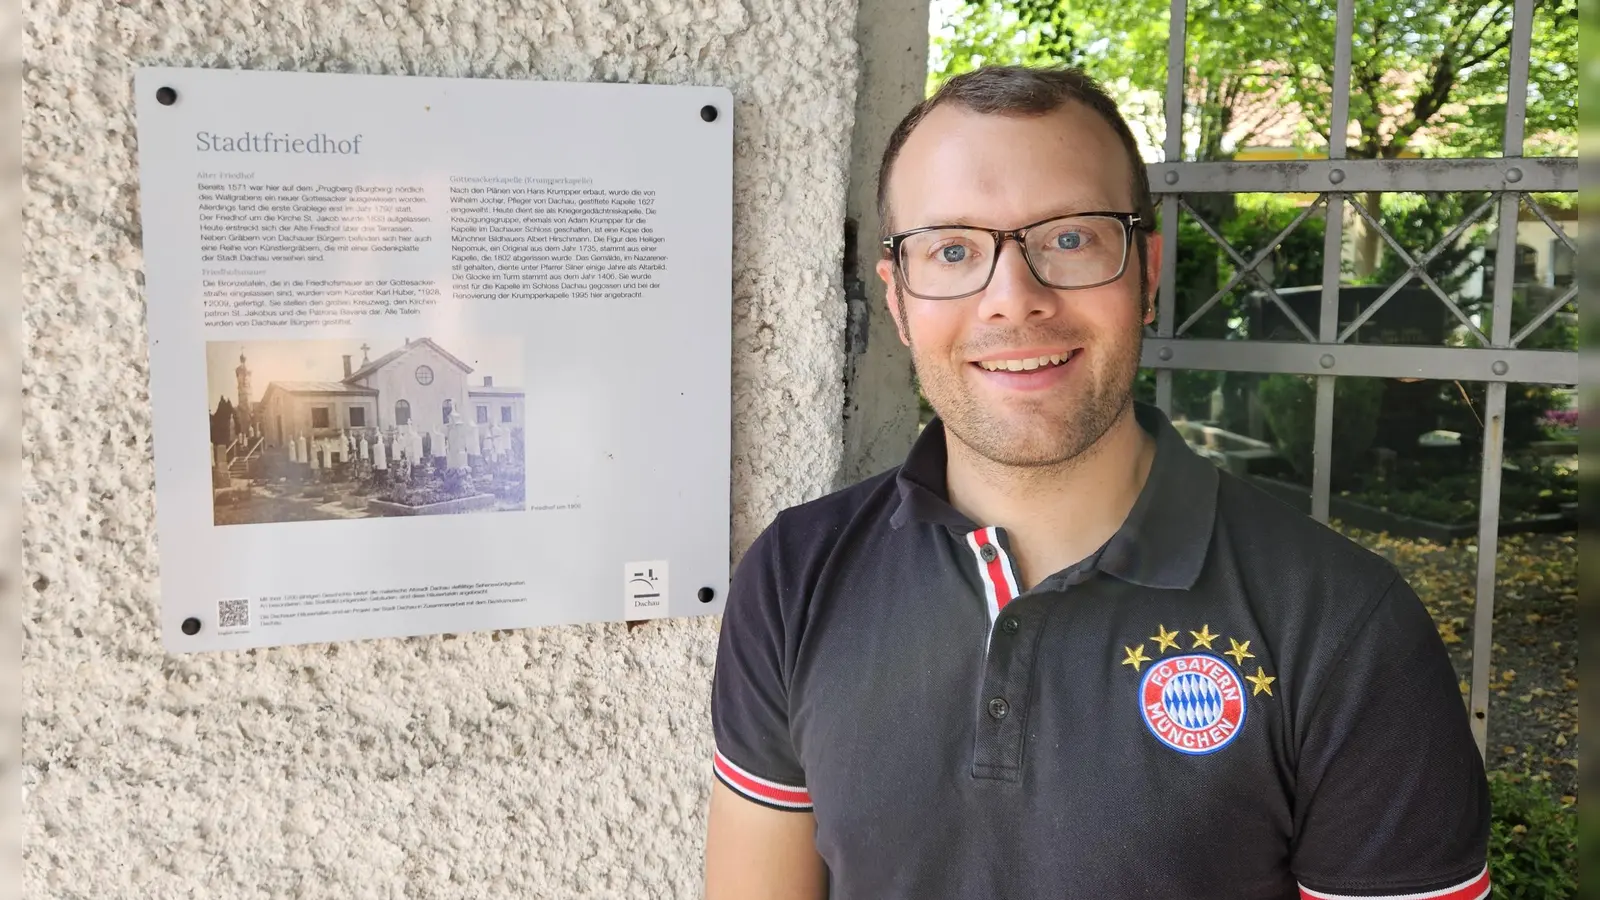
x: 1055, y: 516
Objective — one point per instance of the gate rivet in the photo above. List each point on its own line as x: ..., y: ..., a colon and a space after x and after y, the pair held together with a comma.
x: 1499, y: 367
x: 1336, y: 176
x: 1164, y: 354
x: 1326, y: 361
x: 1171, y: 177
x: 1513, y: 175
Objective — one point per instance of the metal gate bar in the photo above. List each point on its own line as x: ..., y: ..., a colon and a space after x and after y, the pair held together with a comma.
x: 1329, y: 357
x: 1333, y: 238
x: 1365, y: 360
x: 1172, y: 149
x: 1549, y: 174
x: 1494, y: 416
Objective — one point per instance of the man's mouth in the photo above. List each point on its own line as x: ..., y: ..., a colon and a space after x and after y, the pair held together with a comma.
x: 1027, y: 364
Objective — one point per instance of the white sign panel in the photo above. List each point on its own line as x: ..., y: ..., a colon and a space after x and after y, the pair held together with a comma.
x: 434, y: 355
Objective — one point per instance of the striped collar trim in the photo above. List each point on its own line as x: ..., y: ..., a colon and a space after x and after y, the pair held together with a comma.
x: 1164, y: 541
x: 994, y: 569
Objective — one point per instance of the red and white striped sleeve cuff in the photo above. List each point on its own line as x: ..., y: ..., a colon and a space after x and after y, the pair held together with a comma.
x: 761, y: 790
x: 1474, y: 888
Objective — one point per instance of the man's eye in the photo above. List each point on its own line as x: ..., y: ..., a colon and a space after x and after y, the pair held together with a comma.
x: 1068, y: 240
x: 953, y: 254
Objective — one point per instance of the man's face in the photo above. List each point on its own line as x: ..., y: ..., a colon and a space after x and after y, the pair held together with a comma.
x: 959, y: 167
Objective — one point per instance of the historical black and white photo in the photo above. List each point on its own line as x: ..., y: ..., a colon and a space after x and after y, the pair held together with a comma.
x: 305, y: 430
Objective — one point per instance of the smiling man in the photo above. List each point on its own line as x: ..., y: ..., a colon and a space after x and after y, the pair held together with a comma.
x: 1055, y: 653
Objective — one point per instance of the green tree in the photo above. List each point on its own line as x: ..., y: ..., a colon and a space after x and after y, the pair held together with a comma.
x: 1427, y: 76
x: 1025, y: 32
x: 1126, y: 48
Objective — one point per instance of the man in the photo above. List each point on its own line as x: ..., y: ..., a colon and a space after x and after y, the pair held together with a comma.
x: 1056, y: 653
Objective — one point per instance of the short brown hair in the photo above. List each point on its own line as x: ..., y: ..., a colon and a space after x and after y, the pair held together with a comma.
x: 1021, y: 91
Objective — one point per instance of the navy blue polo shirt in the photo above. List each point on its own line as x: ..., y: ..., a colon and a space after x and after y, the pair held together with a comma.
x: 1227, y: 700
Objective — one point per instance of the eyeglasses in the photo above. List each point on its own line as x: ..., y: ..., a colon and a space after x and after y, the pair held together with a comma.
x: 948, y: 262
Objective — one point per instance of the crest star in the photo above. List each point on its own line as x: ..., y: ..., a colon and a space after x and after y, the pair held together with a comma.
x: 1165, y: 640
x: 1239, y: 652
x: 1136, y: 657
x: 1204, y: 637
x: 1262, y: 682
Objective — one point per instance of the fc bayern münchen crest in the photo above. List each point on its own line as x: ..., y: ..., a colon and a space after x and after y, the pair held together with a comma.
x: 1193, y: 703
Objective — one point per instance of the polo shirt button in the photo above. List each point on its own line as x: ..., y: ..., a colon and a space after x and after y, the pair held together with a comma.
x: 988, y: 553
x: 1009, y: 625
x: 998, y: 708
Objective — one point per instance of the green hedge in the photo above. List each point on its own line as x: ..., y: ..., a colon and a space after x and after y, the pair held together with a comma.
x: 1289, y: 404
x: 1533, y: 841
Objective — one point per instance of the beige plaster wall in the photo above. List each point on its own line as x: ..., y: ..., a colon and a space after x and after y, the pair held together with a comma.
x: 563, y: 762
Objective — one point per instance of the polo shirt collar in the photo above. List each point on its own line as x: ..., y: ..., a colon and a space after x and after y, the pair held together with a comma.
x: 1161, y: 544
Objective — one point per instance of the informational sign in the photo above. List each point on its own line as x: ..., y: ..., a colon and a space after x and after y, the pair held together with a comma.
x: 434, y: 355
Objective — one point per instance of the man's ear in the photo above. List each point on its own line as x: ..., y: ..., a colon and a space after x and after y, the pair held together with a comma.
x: 1152, y: 277
x: 891, y: 296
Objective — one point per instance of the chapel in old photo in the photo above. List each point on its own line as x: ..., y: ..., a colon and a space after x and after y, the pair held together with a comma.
x: 419, y: 383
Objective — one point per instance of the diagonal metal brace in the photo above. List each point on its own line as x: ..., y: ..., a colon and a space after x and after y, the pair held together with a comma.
x: 1540, y: 319
x: 1418, y: 268
x: 1239, y: 274
x: 1249, y: 268
x: 1426, y: 278
x: 1539, y: 211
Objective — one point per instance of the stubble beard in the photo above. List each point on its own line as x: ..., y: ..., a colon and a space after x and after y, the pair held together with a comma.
x: 1052, y: 437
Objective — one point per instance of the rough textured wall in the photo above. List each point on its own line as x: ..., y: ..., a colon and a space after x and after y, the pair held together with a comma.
x: 565, y: 762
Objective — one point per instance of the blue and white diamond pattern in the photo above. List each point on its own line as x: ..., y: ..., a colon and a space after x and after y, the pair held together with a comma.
x: 1193, y: 700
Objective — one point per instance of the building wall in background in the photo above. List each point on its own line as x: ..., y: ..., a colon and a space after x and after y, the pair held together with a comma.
x: 558, y: 762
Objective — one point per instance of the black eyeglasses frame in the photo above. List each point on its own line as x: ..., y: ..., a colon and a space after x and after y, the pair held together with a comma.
x: 1130, y: 223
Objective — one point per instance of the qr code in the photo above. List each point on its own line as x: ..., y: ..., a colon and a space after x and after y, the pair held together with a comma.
x: 233, y: 613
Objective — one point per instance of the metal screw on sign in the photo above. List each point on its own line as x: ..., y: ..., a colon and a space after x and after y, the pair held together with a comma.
x: 708, y: 112
x: 166, y: 97
x: 191, y: 626
x: 705, y: 594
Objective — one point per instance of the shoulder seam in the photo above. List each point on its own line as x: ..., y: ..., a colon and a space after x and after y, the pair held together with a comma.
x: 784, y: 596
x: 1357, y: 624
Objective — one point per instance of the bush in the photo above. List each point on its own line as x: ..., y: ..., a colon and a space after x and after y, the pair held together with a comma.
x: 1445, y: 491
x: 1289, y: 404
x: 1533, y: 841
x: 457, y: 482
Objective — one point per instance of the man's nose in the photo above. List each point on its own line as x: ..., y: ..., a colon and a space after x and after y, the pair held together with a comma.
x: 1013, y: 292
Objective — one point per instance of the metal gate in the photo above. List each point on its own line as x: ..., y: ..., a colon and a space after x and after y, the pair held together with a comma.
x: 1327, y: 352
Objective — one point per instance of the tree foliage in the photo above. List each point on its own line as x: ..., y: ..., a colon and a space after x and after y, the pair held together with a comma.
x: 1427, y: 76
